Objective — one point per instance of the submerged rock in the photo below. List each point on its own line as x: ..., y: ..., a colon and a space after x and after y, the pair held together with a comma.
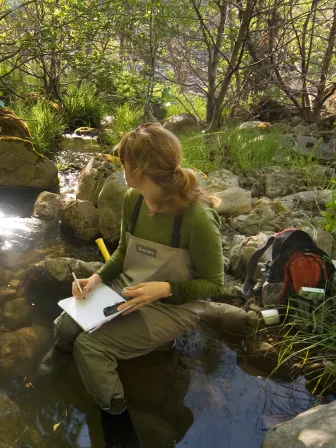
x: 16, y: 313
x: 21, y: 350
x: 311, y: 429
x: 14, y: 431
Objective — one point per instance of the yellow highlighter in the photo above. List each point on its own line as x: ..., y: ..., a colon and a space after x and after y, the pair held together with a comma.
x: 103, y: 248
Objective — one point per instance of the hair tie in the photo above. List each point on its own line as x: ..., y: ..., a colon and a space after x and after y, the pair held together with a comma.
x: 177, y: 168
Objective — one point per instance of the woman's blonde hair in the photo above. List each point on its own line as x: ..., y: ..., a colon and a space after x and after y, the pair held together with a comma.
x: 156, y: 153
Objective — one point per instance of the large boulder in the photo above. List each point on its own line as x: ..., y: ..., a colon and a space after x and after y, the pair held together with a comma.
x: 110, y: 204
x: 223, y: 179
x: 234, y: 201
x: 47, y: 206
x: 92, y: 178
x: 267, y: 216
x: 21, y: 350
x: 182, y: 123
x: 11, y: 125
x: 14, y: 431
x: 82, y: 218
x: 318, y: 149
x: 315, y: 428
x: 22, y: 166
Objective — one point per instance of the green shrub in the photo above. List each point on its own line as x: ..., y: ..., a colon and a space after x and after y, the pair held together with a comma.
x: 45, y: 125
x: 83, y: 105
x: 126, y: 118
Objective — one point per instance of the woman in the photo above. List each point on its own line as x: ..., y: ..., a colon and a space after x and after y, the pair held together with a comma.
x: 169, y: 258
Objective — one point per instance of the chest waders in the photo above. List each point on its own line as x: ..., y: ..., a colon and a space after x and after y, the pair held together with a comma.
x: 140, y: 332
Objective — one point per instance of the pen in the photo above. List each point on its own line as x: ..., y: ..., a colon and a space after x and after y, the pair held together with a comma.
x: 76, y: 280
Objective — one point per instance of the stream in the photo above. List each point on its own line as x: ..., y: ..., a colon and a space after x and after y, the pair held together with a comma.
x: 196, y: 395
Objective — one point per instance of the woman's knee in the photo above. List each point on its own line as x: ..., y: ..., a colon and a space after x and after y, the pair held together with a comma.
x: 66, y: 329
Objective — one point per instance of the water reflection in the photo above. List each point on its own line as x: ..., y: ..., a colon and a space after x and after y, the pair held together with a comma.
x: 194, y: 396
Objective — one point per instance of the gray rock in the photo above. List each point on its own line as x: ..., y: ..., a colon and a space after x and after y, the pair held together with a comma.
x: 223, y: 179
x: 315, y: 428
x: 92, y: 179
x: 313, y: 200
x: 234, y: 201
x: 280, y: 184
x: 182, y: 123
x: 47, y: 206
x: 22, y: 166
x: 110, y: 205
x: 308, y: 145
x: 323, y: 239
x: 300, y: 129
x: 267, y: 216
x: 82, y: 217
x: 16, y: 313
x: 254, y: 124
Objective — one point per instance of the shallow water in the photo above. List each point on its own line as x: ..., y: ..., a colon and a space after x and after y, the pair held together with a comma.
x: 195, y: 395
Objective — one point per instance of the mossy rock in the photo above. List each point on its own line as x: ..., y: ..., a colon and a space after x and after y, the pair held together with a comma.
x: 11, y: 125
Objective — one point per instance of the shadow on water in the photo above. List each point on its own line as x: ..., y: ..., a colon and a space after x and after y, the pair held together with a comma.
x: 194, y: 395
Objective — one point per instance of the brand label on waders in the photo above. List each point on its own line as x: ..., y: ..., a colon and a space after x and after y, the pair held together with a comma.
x: 146, y: 250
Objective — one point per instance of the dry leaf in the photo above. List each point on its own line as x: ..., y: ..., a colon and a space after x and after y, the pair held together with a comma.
x: 28, y: 385
x: 56, y: 426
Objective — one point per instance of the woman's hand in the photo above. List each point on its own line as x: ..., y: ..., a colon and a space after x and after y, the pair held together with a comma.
x: 87, y: 284
x: 144, y: 294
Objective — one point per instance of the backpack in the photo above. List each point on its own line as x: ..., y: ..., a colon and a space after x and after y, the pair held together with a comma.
x: 296, y: 262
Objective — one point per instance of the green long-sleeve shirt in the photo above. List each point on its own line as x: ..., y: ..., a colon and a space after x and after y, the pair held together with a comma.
x: 200, y: 235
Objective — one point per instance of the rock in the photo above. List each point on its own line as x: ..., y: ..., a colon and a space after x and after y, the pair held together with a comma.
x: 110, y: 204
x: 230, y: 319
x: 265, y: 356
x: 21, y: 350
x: 14, y: 432
x: 47, y: 206
x: 55, y: 272
x: 315, y: 428
x: 308, y: 145
x: 7, y: 294
x: 242, y: 250
x: 223, y: 179
x: 16, y: 313
x: 327, y: 123
x: 267, y: 216
x: 82, y: 218
x: 15, y: 283
x: 22, y: 166
x: 234, y: 201
x: 86, y: 132
x: 300, y: 129
x: 280, y: 184
x: 313, y: 200
x: 11, y: 125
x: 92, y: 178
x: 323, y: 239
x: 256, y: 124
x: 182, y: 123
x: 5, y: 276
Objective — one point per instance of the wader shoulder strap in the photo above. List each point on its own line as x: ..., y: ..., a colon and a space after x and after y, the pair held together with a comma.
x: 176, y: 235
x: 252, y: 265
x: 135, y: 213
